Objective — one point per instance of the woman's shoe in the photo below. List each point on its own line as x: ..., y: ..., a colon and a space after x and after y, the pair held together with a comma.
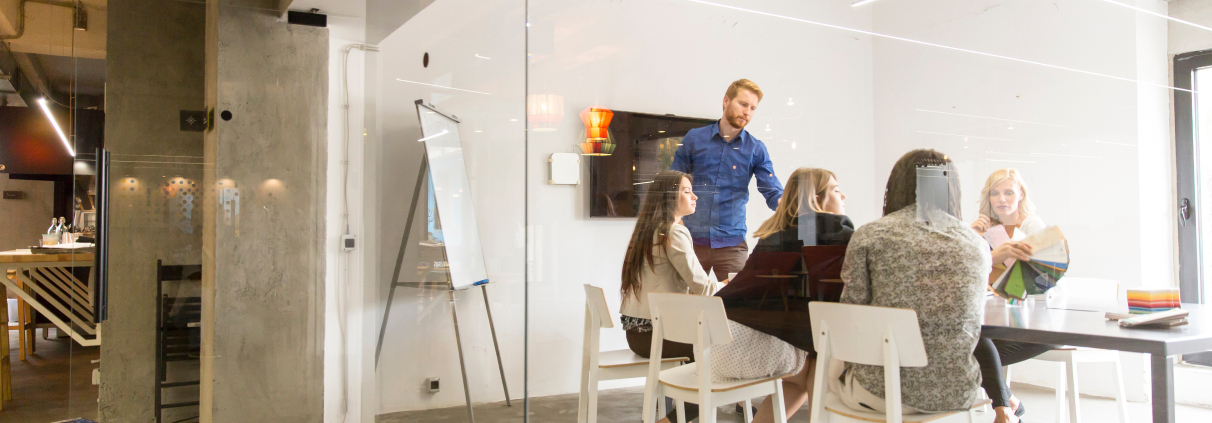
x: 1022, y: 409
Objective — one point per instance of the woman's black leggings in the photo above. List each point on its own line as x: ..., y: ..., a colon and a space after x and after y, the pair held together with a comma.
x: 993, y: 354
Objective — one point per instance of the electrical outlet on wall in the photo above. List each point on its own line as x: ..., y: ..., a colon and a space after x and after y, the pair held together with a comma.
x: 433, y: 384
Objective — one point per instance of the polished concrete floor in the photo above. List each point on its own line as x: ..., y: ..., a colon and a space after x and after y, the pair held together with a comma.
x: 622, y: 405
x: 53, y: 384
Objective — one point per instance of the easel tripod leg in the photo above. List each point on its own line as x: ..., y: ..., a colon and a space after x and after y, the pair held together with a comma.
x: 493, y: 329
x: 395, y: 276
x: 462, y: 367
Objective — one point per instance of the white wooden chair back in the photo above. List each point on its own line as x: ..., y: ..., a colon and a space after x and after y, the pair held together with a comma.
x: 858, y: 332
x: 1089, y: 288
x: 689, y: 319
x: 596, y: 309
x: 681, y: 316
x: 878, y: 336
x: 1093, y: 294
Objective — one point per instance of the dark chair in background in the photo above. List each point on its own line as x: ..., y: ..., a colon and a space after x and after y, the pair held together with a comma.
x: 824, y: 266
x: 178, y: 331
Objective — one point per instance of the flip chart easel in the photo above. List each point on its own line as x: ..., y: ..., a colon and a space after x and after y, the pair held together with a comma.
x: 447, y: 285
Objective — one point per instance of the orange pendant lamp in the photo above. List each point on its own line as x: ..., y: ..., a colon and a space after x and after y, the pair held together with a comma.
x: 597, y: 137
x: 544, y: 112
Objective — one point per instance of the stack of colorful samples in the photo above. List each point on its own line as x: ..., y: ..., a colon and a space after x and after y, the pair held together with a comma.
x: 1049, y: 262
x: 1145, y: 301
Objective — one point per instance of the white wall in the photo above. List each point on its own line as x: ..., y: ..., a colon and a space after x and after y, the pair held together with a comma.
x: 25, y: 219
x: 344, y: 335
x: 678, y: 57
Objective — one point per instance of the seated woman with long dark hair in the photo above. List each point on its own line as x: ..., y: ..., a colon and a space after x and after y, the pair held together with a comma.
x: 937, y: 267
x: 660, y: 258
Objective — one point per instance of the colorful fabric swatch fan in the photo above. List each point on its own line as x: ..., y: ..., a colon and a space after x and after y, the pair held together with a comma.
x: 1048, y: 264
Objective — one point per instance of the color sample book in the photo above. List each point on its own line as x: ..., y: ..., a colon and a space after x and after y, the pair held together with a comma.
x: 1049, y: 262
x: 1145, y: 301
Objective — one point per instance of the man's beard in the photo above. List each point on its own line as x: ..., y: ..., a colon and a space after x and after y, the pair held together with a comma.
x: 735, y: 120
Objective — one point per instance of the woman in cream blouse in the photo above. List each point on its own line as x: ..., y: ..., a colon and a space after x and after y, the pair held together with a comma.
x: 660, y: 258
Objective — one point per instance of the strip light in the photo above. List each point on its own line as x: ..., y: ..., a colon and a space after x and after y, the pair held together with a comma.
x: 909, y: 40
x: 1149, y: 12
x: 439, y: 86
x: 860, y: 3
x: 46, y: 109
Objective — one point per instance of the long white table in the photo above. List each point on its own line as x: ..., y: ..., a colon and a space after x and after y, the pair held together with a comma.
x: 1042, y: 325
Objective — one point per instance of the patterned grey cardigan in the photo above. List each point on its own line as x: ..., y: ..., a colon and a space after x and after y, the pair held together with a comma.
x: 941, y: 272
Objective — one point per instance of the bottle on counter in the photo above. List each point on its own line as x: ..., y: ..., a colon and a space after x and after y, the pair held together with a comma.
x: 61, y: 229
x: 51, y: 229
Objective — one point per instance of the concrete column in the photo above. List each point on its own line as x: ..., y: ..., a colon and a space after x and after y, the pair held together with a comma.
x: 263, y: 265
x: 154, y: 69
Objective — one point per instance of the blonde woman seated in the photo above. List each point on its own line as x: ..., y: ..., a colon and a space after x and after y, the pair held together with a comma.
x: 810, y: 194
x: 660, y: 258
x: 1004, y: 201
x: 937, y: 268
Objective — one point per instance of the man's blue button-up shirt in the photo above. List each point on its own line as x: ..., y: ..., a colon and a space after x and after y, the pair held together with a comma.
x: 722, y: 171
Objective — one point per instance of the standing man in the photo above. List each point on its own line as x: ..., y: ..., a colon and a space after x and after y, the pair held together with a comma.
x: 723, y: 157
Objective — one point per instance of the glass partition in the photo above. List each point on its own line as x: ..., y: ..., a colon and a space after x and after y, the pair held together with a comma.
x: 1074, y: 97
x: 445, y: 139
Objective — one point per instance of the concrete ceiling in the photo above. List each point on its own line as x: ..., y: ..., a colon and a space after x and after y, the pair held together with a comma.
x: 48, y: 28
x: 55, y: 58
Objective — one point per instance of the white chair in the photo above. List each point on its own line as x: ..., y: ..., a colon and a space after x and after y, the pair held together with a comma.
x: 877, y: 336
x: 701, y: 321
x: 597, y: 366
x: 1086, y: 294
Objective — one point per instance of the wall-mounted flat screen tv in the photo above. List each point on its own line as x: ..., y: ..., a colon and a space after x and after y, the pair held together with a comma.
x: 645, y: 144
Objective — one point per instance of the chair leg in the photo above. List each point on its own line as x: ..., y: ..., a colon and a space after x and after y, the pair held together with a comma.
x: 985, y: 408
x: 661, y: 407
x: 707, y: 410
x: 592, y: 410
x: 21, y: 328
x: 1060, y: 393
x: 776, y: 401
x: 583, y: 401
x: 748, y: 411
x: 681, y: 407
x: 1074, y: 410
x: 1121, y: 400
